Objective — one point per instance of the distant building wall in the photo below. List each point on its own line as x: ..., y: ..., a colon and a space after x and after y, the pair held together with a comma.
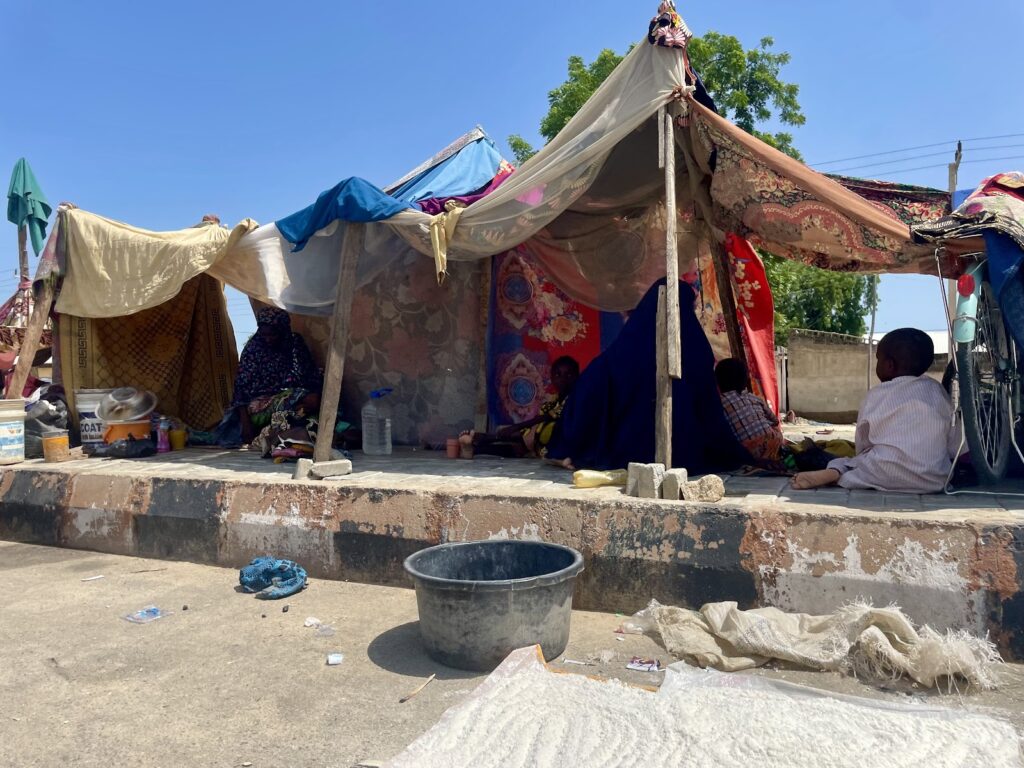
x: 828, y: 374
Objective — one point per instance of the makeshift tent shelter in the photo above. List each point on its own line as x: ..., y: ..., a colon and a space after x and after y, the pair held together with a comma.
x: 144, y: 307
x: 645, y: 180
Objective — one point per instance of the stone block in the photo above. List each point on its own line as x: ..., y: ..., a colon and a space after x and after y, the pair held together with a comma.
x: 633, y: 478
x: 709, y: 488
x: 323, y: 469
x: 649, y: 480
x: 302, y: 469
x: 672, y: 487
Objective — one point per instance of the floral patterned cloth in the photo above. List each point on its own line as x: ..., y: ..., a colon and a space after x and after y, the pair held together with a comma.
x: 754, y: 305
x: 668, y: 28
x: 780, y: 205
x: 532, y: 324
x: 909, y: 203
x: 996, y: 204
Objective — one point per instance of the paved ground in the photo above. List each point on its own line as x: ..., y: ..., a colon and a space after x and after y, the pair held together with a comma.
x: 220, y: 685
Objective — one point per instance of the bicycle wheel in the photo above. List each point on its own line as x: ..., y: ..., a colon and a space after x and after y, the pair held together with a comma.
x: 985, y: 375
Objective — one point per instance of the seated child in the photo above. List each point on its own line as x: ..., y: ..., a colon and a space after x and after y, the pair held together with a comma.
x: 530, y: 438
x: 752, y: 421
x: 905, y: 438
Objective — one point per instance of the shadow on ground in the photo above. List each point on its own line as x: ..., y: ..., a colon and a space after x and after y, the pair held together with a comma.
x: 399, y: 650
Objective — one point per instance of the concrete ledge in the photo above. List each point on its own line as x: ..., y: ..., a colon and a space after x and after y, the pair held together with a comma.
x: 949, y: 566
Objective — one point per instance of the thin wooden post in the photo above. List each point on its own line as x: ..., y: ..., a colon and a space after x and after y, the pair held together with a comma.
x: 341, y: 319
x: 23, y: 252
x: 871, y: 332
x: 675, y: 357
x: 663, y: 401
x: 34, y: 332
x: 954, y: 170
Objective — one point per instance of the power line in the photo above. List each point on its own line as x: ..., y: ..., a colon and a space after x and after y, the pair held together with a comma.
x: 919, y: 157
x: 963, y: 162
x: 922, y: 146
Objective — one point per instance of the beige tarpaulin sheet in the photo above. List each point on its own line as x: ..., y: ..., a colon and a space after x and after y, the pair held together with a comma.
x: 877, y: 643
x: 113, y: 269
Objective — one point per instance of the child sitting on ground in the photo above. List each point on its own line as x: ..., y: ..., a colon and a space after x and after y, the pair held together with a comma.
x: 752, y: 421
x: 905, y: 438
x: 530, y: 438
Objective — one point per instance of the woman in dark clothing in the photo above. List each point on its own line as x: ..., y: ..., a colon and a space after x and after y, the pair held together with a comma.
x: 277, y: 386
x: 609, y: 420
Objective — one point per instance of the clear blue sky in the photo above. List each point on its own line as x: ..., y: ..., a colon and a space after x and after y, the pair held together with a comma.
x: 156, y: 113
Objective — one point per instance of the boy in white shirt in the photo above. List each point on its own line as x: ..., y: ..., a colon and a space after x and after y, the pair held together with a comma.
x: 905, y: 440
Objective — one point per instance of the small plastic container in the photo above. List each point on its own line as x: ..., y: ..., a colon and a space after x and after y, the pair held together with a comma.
x: 179, y: 439
x: 376, y: 417
x: 56, y: 446
x: 163, y: 438
x: 140, y: 430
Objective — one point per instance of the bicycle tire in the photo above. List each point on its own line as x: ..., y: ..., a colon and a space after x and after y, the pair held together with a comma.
x: 985, y: 406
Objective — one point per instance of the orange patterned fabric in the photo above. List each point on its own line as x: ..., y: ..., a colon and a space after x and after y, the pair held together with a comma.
x: 182, y: 350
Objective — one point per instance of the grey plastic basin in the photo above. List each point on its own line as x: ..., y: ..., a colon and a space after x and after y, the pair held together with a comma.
x: 479, y: 601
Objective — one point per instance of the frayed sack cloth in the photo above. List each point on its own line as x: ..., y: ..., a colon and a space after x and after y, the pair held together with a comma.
x: 271, y: 578
x: 873, y: 643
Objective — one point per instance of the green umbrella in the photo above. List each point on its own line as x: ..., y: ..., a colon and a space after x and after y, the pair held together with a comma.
x: 27, y: 205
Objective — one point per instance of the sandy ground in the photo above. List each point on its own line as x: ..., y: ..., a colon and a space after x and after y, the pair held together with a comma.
x: 233, y: 681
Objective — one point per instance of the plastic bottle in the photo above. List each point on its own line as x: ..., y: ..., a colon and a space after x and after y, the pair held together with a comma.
x: 592, y: 478
x: 163, y: 439
x: 376, y: 418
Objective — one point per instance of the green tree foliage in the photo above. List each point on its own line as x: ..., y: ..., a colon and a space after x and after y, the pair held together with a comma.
x: 806, y: 297
x: 747, y: 88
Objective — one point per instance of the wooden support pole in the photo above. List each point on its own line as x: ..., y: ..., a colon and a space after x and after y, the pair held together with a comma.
x: 663, y: 401
x: 23, y: 252
x: 873, y: 282
x: 954, y: 170
x: 351, y: 247
x: 34, y: 332
x: 674, y: 351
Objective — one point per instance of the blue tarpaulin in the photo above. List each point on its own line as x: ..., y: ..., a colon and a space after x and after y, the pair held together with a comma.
x: 353, y: 199
x: 471, y: 168
x: 1004, y: 260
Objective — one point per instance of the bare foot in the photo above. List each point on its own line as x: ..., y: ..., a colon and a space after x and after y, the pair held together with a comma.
x: 563, y: 463
x: 466, y: 444
x: 804, y: 481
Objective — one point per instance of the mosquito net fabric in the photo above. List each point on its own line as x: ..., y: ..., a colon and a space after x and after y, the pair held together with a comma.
x: 590, y: 204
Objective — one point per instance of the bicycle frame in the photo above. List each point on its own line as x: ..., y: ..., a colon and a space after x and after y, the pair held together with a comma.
x: 965, y: 321
x: 965, y: 328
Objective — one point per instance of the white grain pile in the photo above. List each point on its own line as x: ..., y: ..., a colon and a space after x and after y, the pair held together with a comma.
x: 540, y: 719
